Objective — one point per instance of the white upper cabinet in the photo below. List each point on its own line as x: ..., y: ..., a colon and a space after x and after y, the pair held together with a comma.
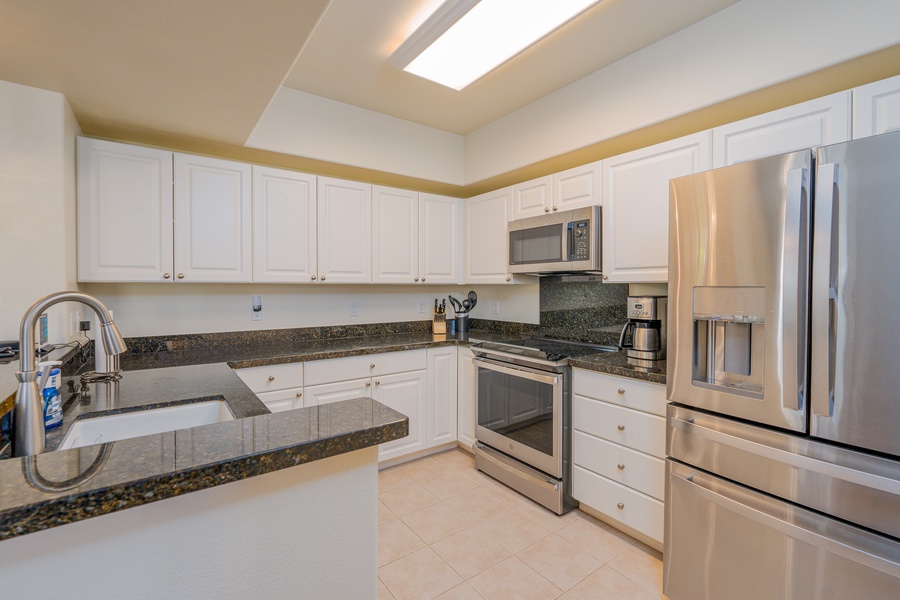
x: 810, y: 124
x: 395, y: 235
x: 440, y: 239
x: 345, y: 231
x: 284, y: 226
x: 578, y: 187
x: 212, y: 220
x: 124, y: 212
x: 876, y: 108
x: 487, y: 252
x: 636, y: 206
x: 532, y: 198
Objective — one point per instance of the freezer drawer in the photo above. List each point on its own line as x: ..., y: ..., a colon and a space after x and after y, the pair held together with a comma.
x: 727, y: 542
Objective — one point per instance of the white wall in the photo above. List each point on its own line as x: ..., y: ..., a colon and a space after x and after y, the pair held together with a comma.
x: 746, y: 47
x: 144, y: 309
x: 37, y: 205
x: 312, y: 126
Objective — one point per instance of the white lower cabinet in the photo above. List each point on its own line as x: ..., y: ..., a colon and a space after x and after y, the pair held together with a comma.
x: 466, y: 398
x: 442, y: 391
x: 405, y: 393
x: 282, y: 399
x: 618, y: 450
x: 280, y: 387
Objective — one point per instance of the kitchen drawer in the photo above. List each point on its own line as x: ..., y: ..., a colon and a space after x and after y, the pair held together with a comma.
x: 631, y: 468
x: 273, y: 377
x: 282, y: 399
x: 631, y: 393
x: 368, y: 365
x: 638, y: 511
x: 632, y: 428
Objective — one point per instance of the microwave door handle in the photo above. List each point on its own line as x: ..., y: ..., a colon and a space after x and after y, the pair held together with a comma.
x: 570, y: 241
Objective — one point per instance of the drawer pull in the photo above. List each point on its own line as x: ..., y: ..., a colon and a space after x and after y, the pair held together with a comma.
x: 372, y: 366
x: 271, y: 378
x: 621, y: 391
x: 621, y: 428
x: 299, y: 394
x: 377, y: 382
x: 620, y: 467
x: 620, y: 506
x: 368, y: 384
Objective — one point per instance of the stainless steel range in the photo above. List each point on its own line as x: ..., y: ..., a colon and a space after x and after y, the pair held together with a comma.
x: 523, y: 417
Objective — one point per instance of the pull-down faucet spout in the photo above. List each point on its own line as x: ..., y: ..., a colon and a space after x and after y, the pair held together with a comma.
x: 28, y: 414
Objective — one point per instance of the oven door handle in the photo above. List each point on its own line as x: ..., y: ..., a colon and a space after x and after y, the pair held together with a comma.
x: 516, y: 371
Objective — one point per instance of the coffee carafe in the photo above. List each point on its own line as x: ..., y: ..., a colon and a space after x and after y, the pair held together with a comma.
x: 644, y: 335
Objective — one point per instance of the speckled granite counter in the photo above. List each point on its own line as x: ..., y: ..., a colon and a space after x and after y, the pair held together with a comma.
x: 616, y: 363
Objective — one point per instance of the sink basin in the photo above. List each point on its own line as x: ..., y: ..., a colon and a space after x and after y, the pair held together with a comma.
x: 97, y: 430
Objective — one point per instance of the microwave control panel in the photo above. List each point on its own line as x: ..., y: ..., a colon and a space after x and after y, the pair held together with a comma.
x: 580, y: 234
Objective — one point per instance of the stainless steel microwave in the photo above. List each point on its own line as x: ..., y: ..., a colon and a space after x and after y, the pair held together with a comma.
x: 562, y: 242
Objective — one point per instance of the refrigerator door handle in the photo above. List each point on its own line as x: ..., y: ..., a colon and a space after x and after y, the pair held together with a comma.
x: 793, y: 310
x: 824, y: 293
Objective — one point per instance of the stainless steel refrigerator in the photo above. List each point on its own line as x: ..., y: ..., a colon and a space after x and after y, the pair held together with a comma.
x: 783, y: 476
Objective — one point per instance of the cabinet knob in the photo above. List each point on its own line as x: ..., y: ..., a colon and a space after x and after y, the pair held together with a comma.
x: 299, y: 394
x: 313, y: 278
x: 620, y: 506
x: 508, y: 278
x: 372, y: 366
x: 620, y: 467
x: 181, y: 276
x: 417, y: 279
x: 546, y: 209
x: 423, y: 280
x: 555, y: 209
x: 167, y: 275
x: 621, y: 428
x: 621, y: 391
x: 377, y: 382
x: 322, y: 278
x: 271, y: 378
x: 605, y: 277
x: 368, y: 384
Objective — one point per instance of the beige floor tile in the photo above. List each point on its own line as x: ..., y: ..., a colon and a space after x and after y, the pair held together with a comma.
x: 456, y: 459
x: 436, y: 522
x: 513, y: 531
x: 408, y: 499
x: 396, y: 540
x: 422, y: 575
x: 477, y: 505
x: 545, y: 517
x: 512, y: 579
x: 563, y: 563
x: 470, y: 551
x: 642, y: 565
x: 423, y: 468
x: 606, y: 584
x: 385, y: 515
x: 383, y: 592
x: 596, y: 538
x: 451, y: 482
x: 463, y: 591
x: 388, y: 479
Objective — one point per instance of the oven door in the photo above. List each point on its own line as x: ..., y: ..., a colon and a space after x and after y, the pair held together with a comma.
x: 519, y: 412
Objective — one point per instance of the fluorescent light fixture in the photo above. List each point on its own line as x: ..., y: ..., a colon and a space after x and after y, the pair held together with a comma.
x: 466, y: 39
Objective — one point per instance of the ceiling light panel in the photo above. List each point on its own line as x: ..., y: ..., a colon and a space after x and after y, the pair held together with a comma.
x: 484, y: 37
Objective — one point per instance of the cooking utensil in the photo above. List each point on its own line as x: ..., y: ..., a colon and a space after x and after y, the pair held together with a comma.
x: 467, y: 304
x: 456, y: 305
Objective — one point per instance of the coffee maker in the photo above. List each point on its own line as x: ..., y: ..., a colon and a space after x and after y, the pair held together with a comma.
x: 644, y: 335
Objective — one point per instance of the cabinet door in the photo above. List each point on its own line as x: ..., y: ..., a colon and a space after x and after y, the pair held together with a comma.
x: 636, y: 206
x: 335, y: 392
x: 282, y: 399
x: 124, y: 212
x: 395, y: 235
x: 441, y: 409
x: 487, y: 252
x: 345, y: 231
x: 577, y: 188
x: 466, y: 398
x: 212, y: 220
x: 532, y: 198
x: 810, y: 124
x: 440, y: 239
x: 284, y: 226
x: 405, y: 393
x: 876, y: 108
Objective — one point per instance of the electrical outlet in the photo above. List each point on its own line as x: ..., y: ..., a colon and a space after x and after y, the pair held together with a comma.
x: 354, y: 309
x: 84, y: 325
x: 495, y: 307
x: 421, y: 307
x: 256, y: 308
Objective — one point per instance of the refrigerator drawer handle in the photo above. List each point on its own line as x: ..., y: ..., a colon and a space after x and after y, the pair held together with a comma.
x: 824, y: 297
x: 794, y: 259
x: 797, y: 461
x: 765, y: 512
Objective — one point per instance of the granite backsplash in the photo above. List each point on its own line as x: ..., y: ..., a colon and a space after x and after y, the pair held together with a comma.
x: 582, y: 308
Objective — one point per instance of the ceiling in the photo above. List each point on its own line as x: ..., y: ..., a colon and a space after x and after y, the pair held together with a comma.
x: 207, y: 69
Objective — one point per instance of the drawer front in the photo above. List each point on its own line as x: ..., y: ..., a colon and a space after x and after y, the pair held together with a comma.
x: 628, y: 467
x: 272, y: 378
x: 630, y: 393
x: 634, y: 429
x: 282, y: 399
x: 368, y: 365
x: 640, y: 512
x: 327, y: 393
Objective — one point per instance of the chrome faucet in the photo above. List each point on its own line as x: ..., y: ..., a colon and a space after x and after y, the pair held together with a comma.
x: 28, y: 414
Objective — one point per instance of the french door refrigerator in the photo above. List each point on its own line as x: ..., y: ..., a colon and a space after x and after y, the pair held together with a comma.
x: 783, y: 436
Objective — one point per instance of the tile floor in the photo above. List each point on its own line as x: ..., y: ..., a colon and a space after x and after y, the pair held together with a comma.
x: 446, y: 530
